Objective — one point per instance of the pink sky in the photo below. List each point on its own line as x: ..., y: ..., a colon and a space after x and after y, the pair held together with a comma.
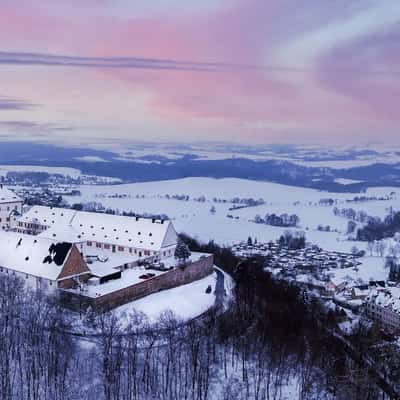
x: 326, y: 72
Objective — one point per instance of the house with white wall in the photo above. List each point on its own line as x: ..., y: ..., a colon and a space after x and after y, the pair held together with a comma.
x: 93, y: 232
x: 383, y: 306
x: 10, y: 207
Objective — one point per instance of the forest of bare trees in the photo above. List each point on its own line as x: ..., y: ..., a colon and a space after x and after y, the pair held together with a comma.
x: 266, y: 345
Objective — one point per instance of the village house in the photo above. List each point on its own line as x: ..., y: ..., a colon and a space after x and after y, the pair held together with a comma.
x: 10, y: 207
x: 383, y: 306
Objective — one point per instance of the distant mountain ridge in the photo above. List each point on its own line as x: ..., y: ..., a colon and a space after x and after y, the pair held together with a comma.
x: 159, y: 167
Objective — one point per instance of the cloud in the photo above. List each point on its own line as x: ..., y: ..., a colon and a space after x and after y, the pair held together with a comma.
x: 28, y: 59
x: 308, y: 46
x: 11, y: 104
x: 275, y: 68
x: 34, y: 127
x: 41, y: 59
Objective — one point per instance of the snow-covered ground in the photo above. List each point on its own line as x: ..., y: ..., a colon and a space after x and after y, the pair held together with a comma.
x: 188, y: 301
x: 345, y: 164
x: 65, y: 171
x: 372, y: 268
x: 195, y: 218
x: 344, y: 181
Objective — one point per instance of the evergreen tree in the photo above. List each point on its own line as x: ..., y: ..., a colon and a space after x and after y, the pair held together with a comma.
x: 182, y: 252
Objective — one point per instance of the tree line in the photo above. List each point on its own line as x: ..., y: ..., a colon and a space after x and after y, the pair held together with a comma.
x: 267, y: 341
x: 377, y: 229
x: 282, y: 220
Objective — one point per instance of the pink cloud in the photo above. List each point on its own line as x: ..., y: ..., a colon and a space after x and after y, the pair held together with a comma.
x: 368, y: 71
x: 335, y: 96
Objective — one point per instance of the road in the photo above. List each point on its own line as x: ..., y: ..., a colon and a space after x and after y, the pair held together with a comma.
x: 219, y: 289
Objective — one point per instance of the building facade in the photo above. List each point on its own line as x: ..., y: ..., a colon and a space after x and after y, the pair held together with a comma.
x: 10, y: 208
x: 138, y: 237
x: 41, y: 263
x: 111, y: 259
x: 383, y: 306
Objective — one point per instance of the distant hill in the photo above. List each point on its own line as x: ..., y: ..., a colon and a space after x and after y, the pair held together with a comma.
x: 159, y: 167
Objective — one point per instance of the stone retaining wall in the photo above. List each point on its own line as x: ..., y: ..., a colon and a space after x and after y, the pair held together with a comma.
x: 176, y: 277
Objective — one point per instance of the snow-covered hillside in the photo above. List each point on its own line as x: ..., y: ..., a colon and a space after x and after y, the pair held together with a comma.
x: 65, y: 171
x: 195, y: 218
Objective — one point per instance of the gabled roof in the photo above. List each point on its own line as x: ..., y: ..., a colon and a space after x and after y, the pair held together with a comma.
x: 81, y: 226
x: 44, y: 258
x: 8, y: 196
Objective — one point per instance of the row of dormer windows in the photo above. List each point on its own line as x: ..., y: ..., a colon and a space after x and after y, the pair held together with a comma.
x: 121, y: 249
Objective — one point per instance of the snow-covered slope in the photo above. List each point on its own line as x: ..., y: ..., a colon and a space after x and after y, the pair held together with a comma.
x: 195, y: 218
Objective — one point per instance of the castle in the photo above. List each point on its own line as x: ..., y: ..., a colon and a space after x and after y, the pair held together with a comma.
x: 94, y: 259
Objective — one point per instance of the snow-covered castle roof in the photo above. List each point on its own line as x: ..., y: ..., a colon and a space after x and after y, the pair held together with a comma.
x: 81, y: 226
x: 33, y: 255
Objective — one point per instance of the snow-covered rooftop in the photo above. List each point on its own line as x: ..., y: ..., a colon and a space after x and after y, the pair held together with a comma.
x: 33, y: 255
x: 8, y: 196
x: 103, y: 263
x: 387, y: 298
x: 130, y: 276
x: 80, y: 226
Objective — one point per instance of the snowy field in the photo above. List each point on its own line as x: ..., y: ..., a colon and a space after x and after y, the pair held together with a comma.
x: 188, y: 301
x: 65, y: 171
x: 194, y: 217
